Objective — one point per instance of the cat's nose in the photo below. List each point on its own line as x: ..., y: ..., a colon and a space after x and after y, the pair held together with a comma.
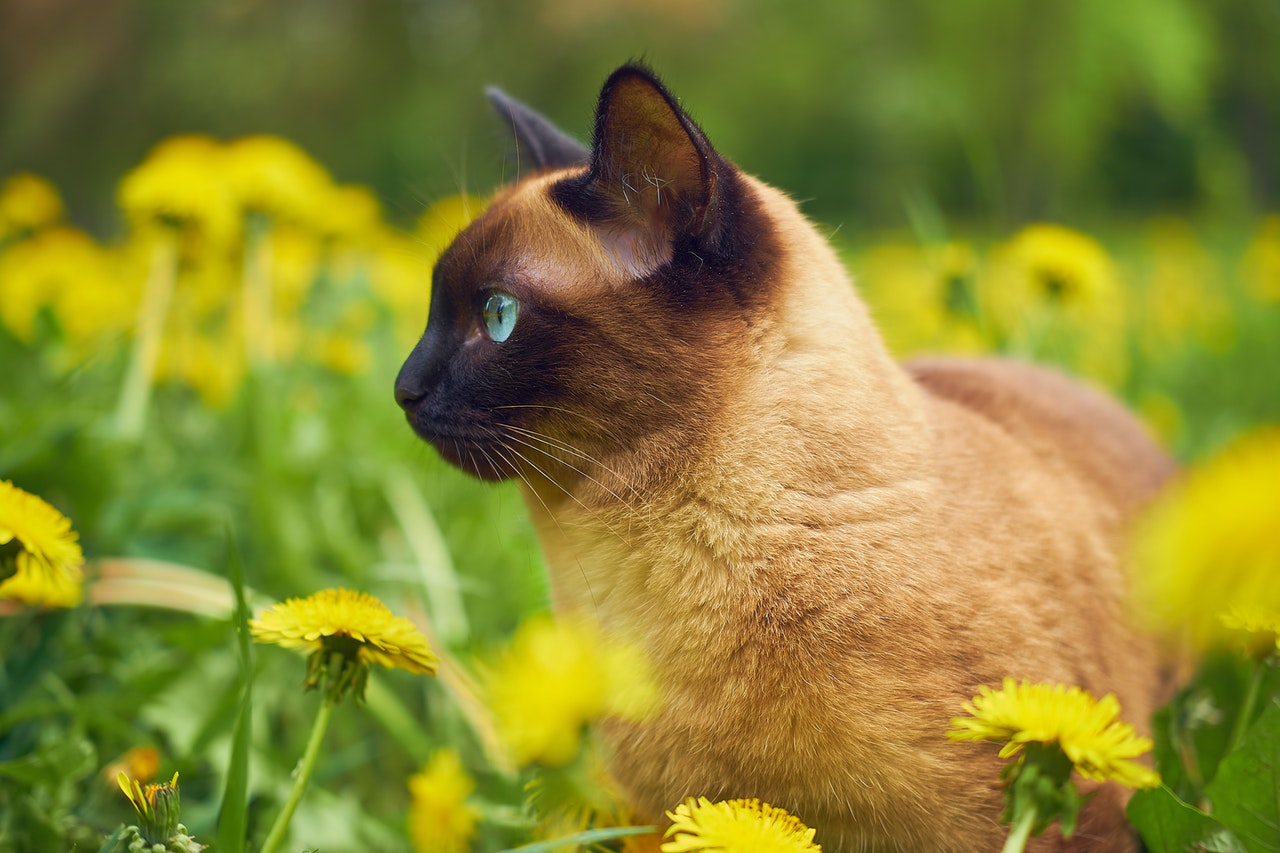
x: 406, y: 397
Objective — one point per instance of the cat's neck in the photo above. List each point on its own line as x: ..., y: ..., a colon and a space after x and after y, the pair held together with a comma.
x: 820, y: 427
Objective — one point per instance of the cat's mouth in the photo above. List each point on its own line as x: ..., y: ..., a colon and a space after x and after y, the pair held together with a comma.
x: 475, y: 450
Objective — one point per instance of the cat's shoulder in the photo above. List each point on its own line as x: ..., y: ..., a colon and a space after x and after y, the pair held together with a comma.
x: 1054, y: 415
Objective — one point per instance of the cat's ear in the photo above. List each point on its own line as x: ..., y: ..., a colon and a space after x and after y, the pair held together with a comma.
x: 539, y: 142
x: 654, y: 176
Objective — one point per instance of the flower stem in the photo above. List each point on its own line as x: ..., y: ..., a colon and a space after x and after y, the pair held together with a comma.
x: 131, y: 411
x: 1246, y: 708
x: 303, y: 774
x: 1020, y: 831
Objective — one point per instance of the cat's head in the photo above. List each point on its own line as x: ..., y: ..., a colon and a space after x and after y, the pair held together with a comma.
x: 600, y: 303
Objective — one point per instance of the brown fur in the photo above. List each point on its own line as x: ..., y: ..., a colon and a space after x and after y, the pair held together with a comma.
x: 823, y: 553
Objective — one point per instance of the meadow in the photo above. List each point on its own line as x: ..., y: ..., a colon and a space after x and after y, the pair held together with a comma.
x: 207, y: 397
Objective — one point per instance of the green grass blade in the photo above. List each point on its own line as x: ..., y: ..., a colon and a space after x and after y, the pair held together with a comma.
x: 233, y: 817
x: 582, y: 839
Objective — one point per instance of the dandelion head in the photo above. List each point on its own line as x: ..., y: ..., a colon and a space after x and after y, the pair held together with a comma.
x: 47, y: 563
x: 736, y: 826
x: 555, y: 678
x: 182, y: 183
x: 1087, y: 730
x: 27, y: 203
x: 345, y: 630
x: 1054, y: 292
x: 1207, y: 546
x: 440, y: 819
x: 274, y: 177
x: 58, y: 268
x: 924, y: 299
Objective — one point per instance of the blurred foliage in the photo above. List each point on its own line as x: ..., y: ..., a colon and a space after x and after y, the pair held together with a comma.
x: 999, y: 110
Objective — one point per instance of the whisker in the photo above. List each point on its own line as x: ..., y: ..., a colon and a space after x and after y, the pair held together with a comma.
x: 567, y: 493
x: 570, y: 412
x: 586, y: 579
x: 556, y: 444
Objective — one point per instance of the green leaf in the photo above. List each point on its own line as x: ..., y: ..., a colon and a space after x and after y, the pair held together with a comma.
x: 1246, y: 792
x: 1169, y: 825
x: 233, y: 818
x: 582, y: 839
x: 115, y: 843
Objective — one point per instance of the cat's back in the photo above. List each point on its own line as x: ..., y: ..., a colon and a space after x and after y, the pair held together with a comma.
x: 1058, y: 419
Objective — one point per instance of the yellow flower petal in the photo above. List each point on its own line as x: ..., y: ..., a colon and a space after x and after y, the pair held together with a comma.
x: 1208, y: 545
x: 383, y: 638
x: 440, y: 819
x: 1088, y: 730
x: 27, y: 203
x: 555, y: 678
x: 736, y: 826
x: 50, y: 564
x: 183, y: 181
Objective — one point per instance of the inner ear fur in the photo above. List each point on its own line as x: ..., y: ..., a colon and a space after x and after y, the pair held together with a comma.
x: 654, y: 176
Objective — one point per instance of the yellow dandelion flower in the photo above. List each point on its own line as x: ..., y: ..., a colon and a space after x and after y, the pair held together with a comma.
x: 100, y: 304
x: 1055, y: 293
x: 1257, y: 629
x: 49, y: 562
x: 380, y: 636
x: 736, y: 826
x: 1208, y: 545
x: 159, y: 810
x: 1087, y: 730
x: 924, y: 299
x: 354, y: 628
x: 182, y: 182
x: 1261, y: 264
x: 38, y: 588
x: 145, y: 799
x: 440, y: 819
x: 27, y: 203
x: 50, y: 270
x: 273, y: 176
x: 557, y: 676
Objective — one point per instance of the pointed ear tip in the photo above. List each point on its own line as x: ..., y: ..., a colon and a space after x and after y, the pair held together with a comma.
x: 496, y: 96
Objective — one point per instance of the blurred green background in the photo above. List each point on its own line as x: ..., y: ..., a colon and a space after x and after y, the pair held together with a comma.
x: 1000, y: 111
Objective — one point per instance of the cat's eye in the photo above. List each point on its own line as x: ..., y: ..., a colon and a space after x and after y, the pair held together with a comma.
x: 500, y: 313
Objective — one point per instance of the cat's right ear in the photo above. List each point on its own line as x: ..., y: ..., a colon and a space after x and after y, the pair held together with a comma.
x: 539, y: 143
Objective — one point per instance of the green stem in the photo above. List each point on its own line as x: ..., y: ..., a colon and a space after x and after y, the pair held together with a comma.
x: 1020, y: 831
x: 1250, y: 702
x: 131, y: 411
x: 278, y: 829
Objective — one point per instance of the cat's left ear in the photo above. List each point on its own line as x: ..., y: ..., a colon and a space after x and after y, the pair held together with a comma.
x: 654, y: 179
x: 538, y: 141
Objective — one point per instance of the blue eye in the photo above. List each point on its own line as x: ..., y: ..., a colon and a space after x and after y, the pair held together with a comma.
x: 500, y: 313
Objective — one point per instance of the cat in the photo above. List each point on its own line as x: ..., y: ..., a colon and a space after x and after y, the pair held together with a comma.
x: 823, y: 552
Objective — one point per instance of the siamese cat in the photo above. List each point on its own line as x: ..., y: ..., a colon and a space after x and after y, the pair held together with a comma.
x: 822, y: 551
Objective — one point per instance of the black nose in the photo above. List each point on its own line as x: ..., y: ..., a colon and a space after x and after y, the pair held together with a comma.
x: 405, y: 397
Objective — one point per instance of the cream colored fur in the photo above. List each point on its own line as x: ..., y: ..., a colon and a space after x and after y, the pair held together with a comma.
x: 842, y: 555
